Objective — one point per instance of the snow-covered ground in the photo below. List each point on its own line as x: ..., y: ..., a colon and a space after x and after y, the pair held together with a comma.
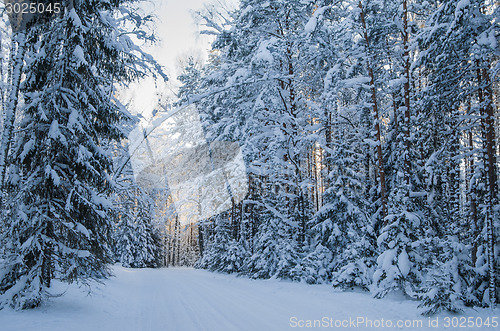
x: 187, y: 299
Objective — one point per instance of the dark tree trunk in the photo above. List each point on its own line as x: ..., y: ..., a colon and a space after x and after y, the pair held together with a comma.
x: 381, y: 172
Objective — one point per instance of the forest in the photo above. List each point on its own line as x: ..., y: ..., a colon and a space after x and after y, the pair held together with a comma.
x: 368, y: 130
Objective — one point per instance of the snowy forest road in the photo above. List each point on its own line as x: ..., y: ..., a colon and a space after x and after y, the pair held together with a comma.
x: 186, y: 299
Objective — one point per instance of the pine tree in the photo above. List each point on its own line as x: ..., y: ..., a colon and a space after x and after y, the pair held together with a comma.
x: 137, y: 242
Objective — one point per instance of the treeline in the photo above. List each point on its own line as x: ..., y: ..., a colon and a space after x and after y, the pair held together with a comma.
x: 369, y: 133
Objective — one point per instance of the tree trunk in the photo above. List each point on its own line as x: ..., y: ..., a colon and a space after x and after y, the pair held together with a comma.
x: 200, y: 239
x: 488, y: 113
x: 48, y: 252
x: 18, y: 48
x: 381, y: 172
x: 406, y: 59
x: 473, y: 205
x: 178, y: 236
x: 329, y: 144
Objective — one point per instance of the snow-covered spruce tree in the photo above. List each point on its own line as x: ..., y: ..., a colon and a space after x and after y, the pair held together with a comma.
x: 136, y: 239
x: 438, y: 100
x: 400, y: 263
x: 225, y: 253
x: 59, y: 225
x: 342, y: 250
x: 343, y: 223
x: 443, y: 285
x: 190, y: 79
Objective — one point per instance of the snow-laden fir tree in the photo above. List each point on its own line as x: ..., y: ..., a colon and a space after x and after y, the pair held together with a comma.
x: 400, y: 263
x: 59, y: 179
x: 190, y: 79
x: 137, y: 242
x: 343, y: 222
x: 225, y: 253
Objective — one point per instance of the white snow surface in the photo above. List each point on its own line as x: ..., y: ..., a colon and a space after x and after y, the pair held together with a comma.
x: 187, y: 299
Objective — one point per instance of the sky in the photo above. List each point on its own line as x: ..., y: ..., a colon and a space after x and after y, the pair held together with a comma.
x: 177, y: 32
x: 198, y: 175
x: 178, y: 37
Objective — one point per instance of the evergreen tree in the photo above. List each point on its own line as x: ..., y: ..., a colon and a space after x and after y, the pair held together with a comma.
x: 137, y: 241
x: 225, y: 253
x: 59, y: 223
